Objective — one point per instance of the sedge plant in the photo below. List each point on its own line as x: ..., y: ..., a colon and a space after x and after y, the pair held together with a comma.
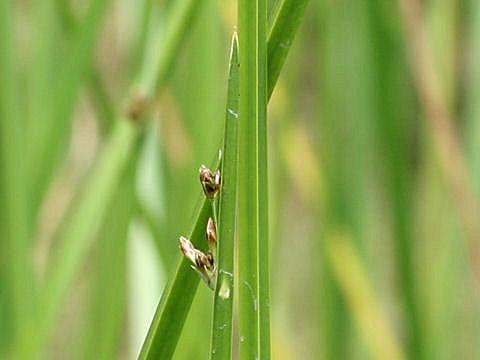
x: 172, y: 310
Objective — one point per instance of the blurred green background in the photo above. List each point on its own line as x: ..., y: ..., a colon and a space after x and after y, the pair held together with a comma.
x: 374, y: 163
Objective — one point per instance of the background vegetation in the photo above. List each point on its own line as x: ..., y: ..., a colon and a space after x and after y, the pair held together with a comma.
x: 373, y: 168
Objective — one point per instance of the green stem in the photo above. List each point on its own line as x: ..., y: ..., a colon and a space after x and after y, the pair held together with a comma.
x: 215, y: 211
x: 286, y: 22
x: 221, y: 348
x: 176, y: 299
x: 252, y: 219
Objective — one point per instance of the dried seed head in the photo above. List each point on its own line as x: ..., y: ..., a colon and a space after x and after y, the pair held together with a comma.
x: 211, y: 235
x: 201, y: 259
x: 203, y: 263
x: 210, y: 259
x: 210, y: 181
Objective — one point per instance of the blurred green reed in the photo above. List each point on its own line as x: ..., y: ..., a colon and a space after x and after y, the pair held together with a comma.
x: 17, y: 275
x: 371, y: 245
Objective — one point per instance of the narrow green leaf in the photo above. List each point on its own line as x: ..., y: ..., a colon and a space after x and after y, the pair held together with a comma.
x: 176, y: 298
x: 223, y: 303
x: 285, y: 25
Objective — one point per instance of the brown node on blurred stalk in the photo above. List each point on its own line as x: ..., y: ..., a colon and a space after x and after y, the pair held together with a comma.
x: 137, y: 107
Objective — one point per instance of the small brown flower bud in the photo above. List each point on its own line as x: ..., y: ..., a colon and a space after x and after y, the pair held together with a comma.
x: 187, y: 248
x: 210, y: 181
